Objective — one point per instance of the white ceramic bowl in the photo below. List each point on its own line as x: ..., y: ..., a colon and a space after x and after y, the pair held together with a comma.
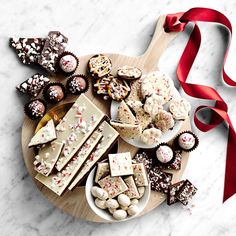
x: 166, y: 136
x: 104, y: 214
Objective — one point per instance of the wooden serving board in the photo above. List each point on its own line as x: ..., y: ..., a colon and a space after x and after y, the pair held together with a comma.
x: 74, y: 202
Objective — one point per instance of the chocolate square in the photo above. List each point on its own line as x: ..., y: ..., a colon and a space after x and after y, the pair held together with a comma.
x: 187, y: 191
x: 160, y: 181
x: 172, y: 192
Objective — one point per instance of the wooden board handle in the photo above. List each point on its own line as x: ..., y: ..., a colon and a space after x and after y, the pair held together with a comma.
x: 158, y: 44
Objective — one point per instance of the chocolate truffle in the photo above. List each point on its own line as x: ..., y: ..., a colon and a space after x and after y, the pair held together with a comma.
x: 187, y: 141
x: 77, y: 84
x: 68, y: 62
x: 35, y: 109
x: 164, y: 153
x: 54, y: 92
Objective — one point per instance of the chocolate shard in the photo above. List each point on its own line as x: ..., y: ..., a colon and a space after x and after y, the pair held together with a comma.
x: 186, y: 193
x: 160, y: 181
x: 172, y: 192
x: 33, y: 85
x: 27, y: 49
x: 54, y: 46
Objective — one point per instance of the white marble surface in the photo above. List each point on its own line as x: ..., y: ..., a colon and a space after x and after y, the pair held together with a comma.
x: 123, y: 27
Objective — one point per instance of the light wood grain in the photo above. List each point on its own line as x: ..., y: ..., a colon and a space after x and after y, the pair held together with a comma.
x: 74, y: 202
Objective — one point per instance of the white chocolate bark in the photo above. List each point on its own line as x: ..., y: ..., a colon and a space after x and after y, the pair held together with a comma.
x: 109, y: 136
x: 132, y: 191
x: 120, y: 164
x: 47, y: 157
x: 76, y: 126
x: 103, y: 169
x: 44, y: 135
x: 140, y: 176
x: 59, y: 182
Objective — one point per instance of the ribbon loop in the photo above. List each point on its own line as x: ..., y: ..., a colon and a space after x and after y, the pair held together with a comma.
x: 173, y: 24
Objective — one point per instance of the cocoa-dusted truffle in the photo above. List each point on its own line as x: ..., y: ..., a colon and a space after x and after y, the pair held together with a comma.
x: 68, y: 62
x: 77, y: 84
x: 35, y: 109
x: 54, y: 92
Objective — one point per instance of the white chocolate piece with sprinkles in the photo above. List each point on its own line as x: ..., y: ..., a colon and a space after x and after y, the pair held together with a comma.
x: 109, y: 136
x: 75, y: 128
x: 140, y: 176
x: 103, y: 169
x: 47, y: 157
x: 120, y: 164
x: 60, y: 181
x: 132, y: 191
x: 113, y: 185
x: 46, y: 134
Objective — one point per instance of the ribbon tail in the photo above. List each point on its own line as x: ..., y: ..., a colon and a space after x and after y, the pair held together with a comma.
x: 230, y: 168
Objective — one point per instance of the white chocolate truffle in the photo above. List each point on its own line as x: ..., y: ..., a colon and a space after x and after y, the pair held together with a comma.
x: 133, y: 210
x: 99, y: 193
x: 100, y: 203
x: 141, y: 191
x: 164, y: 154
x: 120, y: 214
x: 134, y: 201
x: 112, y: 210
x: 112, y: 203
x: 123, y: 200
x: 186, y: 141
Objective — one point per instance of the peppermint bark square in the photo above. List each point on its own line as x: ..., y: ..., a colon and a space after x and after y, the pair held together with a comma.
x: 160, y: 181
x: 172, y: 192
x: 27, y: 49
x: 186, y: 193
x: 113, y: 185
x: 120, y: 164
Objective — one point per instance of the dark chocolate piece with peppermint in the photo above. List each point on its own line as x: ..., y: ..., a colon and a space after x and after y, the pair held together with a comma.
x: 143, y: 158
x: 176, y: 164
x: 187, y: 191
x: 160, y: 181
x: 172, y: 192
x: 55, y: 45
x: 28, y: 49
x: 33, y: 85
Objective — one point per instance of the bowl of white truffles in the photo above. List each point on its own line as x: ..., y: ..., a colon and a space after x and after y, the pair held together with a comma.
x: 122, y: 206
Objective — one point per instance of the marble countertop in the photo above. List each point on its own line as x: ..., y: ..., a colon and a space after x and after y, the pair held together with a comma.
x: 124, y: 27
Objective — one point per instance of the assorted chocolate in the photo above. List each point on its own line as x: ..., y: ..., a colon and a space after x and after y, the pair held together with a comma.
x: 119, y: 185
x: 68, y: 152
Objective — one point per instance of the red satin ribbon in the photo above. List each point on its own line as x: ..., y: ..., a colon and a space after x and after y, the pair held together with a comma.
x: 176, y: 23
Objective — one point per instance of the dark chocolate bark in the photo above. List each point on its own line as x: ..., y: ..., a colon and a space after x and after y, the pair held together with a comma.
x: 28, y: 49
x: 172, y: 192
x: 55, y: 45
x: 33, y: 85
